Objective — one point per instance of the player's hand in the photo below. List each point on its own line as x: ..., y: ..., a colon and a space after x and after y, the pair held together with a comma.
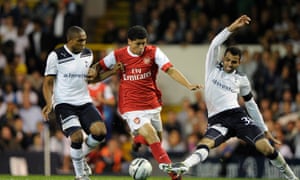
x: 46, y: 110
x: 118, y: 66
x: 92, y: 74
x: 239, y: 22
x: 194, y: 87
x: 271, y: 137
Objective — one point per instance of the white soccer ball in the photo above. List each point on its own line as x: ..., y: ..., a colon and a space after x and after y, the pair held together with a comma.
x: 140, y: 169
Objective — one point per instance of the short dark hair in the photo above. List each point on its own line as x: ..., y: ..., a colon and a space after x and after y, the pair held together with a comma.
x: 73, y: 32
x: 137, y: 32
x: 234, y: 51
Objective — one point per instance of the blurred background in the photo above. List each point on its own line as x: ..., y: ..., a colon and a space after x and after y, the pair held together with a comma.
x: 183, y: 29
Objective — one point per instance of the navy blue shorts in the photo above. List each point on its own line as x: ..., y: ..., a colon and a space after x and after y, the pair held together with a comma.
x: 231, y: 123
x: 71, y: 118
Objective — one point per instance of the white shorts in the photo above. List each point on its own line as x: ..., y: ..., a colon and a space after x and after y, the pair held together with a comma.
x: 136, y: 119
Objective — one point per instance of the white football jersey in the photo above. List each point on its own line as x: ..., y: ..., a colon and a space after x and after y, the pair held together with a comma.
x: 221, y: 88
x: 70, y: 85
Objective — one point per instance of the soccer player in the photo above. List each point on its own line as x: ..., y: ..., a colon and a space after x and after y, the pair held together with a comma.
x: 139, y: 98
x: 65, y: 89
x: 223, y: 84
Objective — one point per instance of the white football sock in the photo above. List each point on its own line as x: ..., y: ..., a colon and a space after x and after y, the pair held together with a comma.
x: 283, y: 167
x: 197, y: 157
x: 77, y: 159
x: 89, y: 144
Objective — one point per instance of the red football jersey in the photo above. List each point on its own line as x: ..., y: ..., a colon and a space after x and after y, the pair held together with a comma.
x: 138, y: 89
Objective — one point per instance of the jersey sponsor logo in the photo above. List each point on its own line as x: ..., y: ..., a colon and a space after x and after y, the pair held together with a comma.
x: 138, y: 76
x: 223, y: 86
x: 137, y: 120
x: 71, y: 75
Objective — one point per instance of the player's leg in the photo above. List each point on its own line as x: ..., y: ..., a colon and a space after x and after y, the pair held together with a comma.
x: 138, y: 140
x: 216, y: 134
x: 195, y: 158
x: 275, y: 157
x: 157, y: 125
x: 92, y: 141
x: 77, y: 154
x: 95, y: 137
x: 159, y: 154
x: 201, y: 152
x: 213, y: 138
x: 151, y: 137
x: 69, y: 121
x: 94, y: 127
x: 252, y: 134
x: 141, y: 126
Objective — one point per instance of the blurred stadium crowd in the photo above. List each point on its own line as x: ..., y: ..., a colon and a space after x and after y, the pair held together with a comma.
x: 28, y: 34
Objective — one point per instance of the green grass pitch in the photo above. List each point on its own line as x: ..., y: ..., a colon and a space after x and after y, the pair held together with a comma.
x: 40, y: 177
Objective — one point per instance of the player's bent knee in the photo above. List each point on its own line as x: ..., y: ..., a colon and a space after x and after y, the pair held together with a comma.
x: 207, y: 142
x: 266, y: 151
x: 77, y: 136
x: 98, y: 129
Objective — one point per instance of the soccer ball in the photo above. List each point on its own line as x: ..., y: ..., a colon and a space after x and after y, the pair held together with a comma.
x: 140, y: 169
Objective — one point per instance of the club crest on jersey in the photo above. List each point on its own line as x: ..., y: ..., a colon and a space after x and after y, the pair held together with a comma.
x: 137, y: 120
x: 147, y: 60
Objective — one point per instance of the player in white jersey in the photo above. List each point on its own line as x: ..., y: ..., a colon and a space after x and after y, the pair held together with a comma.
x: 226, y: 118
x: 65, y: 89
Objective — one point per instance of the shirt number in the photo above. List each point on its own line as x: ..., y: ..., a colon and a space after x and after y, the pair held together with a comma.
x: 247, y: 120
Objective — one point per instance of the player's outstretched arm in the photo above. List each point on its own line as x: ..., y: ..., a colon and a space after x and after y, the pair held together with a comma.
x: 180, y: 78
x: 239, y: 22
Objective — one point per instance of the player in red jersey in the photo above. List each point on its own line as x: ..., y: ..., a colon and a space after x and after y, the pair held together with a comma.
x: 139, y: 97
